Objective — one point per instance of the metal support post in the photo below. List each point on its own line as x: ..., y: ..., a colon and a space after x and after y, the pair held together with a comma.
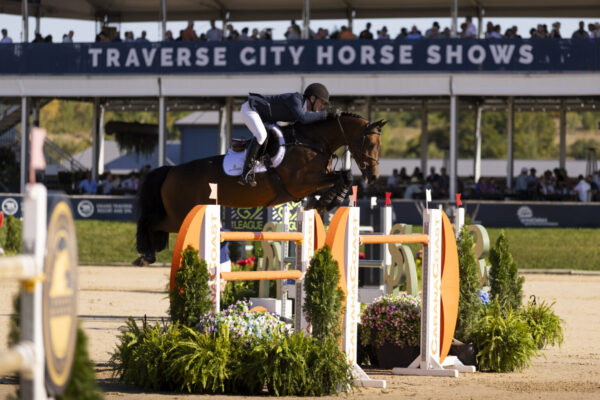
x: 563, y: 135
x: 306, y: 19
x: 424, y: 138
x: 510, y: 123
x: 453, y: 146
x: 24, y: 142
x: 477, y: 161
x: 162, y: 131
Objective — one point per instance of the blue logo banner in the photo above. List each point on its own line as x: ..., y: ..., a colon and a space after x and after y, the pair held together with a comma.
x: 329, y: 56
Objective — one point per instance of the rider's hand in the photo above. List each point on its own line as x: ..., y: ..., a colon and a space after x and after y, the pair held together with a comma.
x: 334, y: 113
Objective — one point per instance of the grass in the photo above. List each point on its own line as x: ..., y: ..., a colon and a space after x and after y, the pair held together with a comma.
x: 107, y: 242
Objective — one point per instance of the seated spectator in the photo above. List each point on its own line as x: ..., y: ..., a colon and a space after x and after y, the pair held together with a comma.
x: 414, y: 33
x: 68, y: 38
x: 547, y: 184
x: 532, y: 184
x: 434, y: 31
x: 413, y: 188
x: 392, y: 180
x: 88, y: 185
x: 433, y: 176
x: 189, y: 34
x: 142, y: 38
x: 521, y: 185
x: 555, y: 34
x: 469, y: 32
x: 483, y: 188
x: 580, y: 33
x: 444, y: 182
x: 417, y: 174
x: 293, y: 32
x: 129, y: 183
x: 5, y: 37
x: 403, y: 177
x: 109, y: 184
x: 346, y: 34
x: 366, y: 33
x: 383, y: 33
x: 582, y: 189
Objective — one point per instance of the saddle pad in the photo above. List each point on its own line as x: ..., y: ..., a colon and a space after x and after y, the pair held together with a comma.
x: 233, y: 162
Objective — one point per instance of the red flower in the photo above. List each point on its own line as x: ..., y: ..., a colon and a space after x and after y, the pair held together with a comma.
x: 361, y: 256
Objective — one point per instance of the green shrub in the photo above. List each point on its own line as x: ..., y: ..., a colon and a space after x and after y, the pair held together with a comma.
x: 469, y: 304
x: 506, y: 286
x: 323, y: 304
x: 190, y: 297
x: 239, y: 290
x: 503, y: 339
x: 545, y: 326
x: 13, y: 241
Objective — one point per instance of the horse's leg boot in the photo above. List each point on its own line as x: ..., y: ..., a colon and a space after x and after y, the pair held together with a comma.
x: 247, y: 177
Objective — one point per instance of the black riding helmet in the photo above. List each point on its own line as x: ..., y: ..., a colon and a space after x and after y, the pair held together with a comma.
x: 318, y: 90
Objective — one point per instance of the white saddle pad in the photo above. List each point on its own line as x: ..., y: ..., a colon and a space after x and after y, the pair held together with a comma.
x: 233, y: 162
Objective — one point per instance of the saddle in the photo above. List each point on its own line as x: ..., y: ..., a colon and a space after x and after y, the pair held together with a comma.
x: 270, y: 155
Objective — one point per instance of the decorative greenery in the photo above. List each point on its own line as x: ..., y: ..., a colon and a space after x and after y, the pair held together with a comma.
x: 544, y: 325
x: 13, y: 241
x: 505, y: 284
x: 323, y: 304
x: 392, y: 319
x: 239, y: 290
x: 190, y: 297
x: 503, y: 339
x: 469, y: 304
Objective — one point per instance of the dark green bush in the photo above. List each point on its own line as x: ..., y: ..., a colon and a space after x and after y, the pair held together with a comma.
x: 503, y: 339
x: 190, y: 297
x: 506, y: 285
x: 469, y: 304
x: 544, y: 325
x: 323, y: 304
x: 13, y: 240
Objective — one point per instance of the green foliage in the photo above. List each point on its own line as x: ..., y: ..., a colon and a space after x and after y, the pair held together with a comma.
x: 590, y: 120
x: 579, y: 148
x: 544, y: 325
x: 469, y: 304
x: 505, y: 284
x: 178, y: 358
x: 324, y: 298
x: 190, y: 297
x: 13, y: 240
x: 535, y: 134
x: 503, y: 339
x: 239, y: 290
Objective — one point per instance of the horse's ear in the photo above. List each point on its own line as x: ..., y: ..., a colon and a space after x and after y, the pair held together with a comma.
x: 376, y: 125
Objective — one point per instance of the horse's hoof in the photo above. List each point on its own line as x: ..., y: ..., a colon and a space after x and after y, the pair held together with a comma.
x: 140, y: 262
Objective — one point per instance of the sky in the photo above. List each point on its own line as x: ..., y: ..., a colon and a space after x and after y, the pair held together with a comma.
x: 85, y: 31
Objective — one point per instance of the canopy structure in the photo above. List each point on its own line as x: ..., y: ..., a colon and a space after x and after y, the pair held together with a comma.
x: 262, y: 10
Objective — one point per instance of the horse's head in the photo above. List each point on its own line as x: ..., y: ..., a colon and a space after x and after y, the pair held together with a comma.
x: 364, y: 141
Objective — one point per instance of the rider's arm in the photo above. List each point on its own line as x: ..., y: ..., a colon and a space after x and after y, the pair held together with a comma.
x: 308, y: 117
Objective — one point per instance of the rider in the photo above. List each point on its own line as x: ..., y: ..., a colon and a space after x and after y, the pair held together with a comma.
x: 287, y: 107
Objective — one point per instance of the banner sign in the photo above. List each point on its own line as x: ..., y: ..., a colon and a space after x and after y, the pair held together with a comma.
x: 490, y: 214
x: 333, y: 56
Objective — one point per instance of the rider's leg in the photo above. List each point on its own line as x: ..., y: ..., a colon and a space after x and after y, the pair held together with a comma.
x: 256, y: 126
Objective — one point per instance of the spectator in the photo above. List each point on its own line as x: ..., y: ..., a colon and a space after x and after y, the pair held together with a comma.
x: 129, y: 184
x: 403, y: 177
x: 129, y: 37
x: 254, y: 34
x: 321, y: 34
x: 555, y: 34
x: 446, y: 33
x: 393, y: 180
x: 169, y: 37
x: 521, y: 184
x: 413, y: 188
x: 109, y: 184
x: 594, y: 34
x: 213, y: 34
x: 469, y: 32
x: 414, y: 33
x: 188, y: 34
x: 117, y: 37
x: 366, y: 33
x: 489, y: 29
x: 582, y: 189
x: 434, y: 31
x: 244, y: 35
x: 580, y: 33
x: 444, y: 181
x: 88, y: 185
x: 293, y: 31
x: 228, y: 32
x: 515, y: 30
x: 541, y: 31
x: 383, y: 33
x: 48, y: 39
x: 68, y: 38
x: 403, y: 34
x: 5, y: 37
x: 593, y: 188
x: 433, y: 176
x: 266, y: 34
x: 346, y: 34
x: 496, y: 33
x: 38, y: 38
x: 143, y: 37
x: 532, y: 184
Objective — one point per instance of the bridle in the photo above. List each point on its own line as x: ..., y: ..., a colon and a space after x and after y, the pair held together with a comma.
x: 362, y: 163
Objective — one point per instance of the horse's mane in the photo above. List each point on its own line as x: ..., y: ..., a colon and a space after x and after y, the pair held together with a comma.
x: 349, y: 114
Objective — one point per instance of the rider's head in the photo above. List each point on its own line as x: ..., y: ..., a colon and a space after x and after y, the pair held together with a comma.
x: 317, y: 97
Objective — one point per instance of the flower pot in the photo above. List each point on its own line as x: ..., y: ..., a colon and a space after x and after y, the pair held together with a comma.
x: 390, y: 356
x: 465, y: 352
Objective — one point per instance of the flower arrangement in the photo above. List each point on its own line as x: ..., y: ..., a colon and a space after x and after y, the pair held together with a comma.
x: 392, y: 319
x: 419, y: 258
x: 246, y: 261
x: 241, y: 322
x: 484, y: 296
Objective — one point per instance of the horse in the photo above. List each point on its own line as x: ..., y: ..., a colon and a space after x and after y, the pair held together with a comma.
x: 168, y: 193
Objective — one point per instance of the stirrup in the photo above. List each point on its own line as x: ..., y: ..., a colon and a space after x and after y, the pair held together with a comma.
x: 247, y: 179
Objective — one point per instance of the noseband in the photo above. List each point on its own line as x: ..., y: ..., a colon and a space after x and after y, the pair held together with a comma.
x: 363, y: 164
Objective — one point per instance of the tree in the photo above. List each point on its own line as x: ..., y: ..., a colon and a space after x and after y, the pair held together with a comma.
x: 506, y: 285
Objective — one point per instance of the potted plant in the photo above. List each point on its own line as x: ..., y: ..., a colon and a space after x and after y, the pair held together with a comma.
x: 392, y: 325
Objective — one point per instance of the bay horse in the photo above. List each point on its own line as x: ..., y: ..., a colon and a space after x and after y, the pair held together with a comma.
x: 168, y: 193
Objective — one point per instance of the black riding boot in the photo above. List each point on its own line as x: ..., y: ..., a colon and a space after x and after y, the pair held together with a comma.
x: 247, y: 177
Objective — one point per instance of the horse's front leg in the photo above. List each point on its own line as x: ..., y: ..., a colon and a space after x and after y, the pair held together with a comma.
x: 333, y: 196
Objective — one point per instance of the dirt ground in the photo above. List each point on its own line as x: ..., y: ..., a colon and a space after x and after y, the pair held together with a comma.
x: 109, y: 295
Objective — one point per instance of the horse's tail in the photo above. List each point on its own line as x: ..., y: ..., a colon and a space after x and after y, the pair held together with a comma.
x: 150, y: 211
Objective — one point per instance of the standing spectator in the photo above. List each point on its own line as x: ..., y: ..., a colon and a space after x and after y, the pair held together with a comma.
x: 228, y: 32
x: 129, y: 37
x: 392, y: 180
x: 580, y: 33
x: 582, y: 188
x: 244, y: 35
x: 403, y: 34
x: 346, y: 34
x: 366, y: 33
x: 254, y: 34
x: 594, y: 34
x: 293, y: 31
x: 515, y: 30
x: 5, y: 37
x: 532, y: 184
x: 38, y: 38
x: 213, y: 34
x: 383, y: 33
x: 489, y: 30
x: 434, y: 31
x: 188, y: 34
x: 68, y: 38
x: 593, y: 188
x: 321, y: 34
x: 470, y: 31
x: 169, y: 37
x: 521, y: 184
x: 414, y: 33
x: 555, y: 34
x: 143, y: 37
x: 88, y: 185
x: 109, y: 184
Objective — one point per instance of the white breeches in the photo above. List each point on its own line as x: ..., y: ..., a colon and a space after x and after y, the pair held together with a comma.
x: 254, y: 123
